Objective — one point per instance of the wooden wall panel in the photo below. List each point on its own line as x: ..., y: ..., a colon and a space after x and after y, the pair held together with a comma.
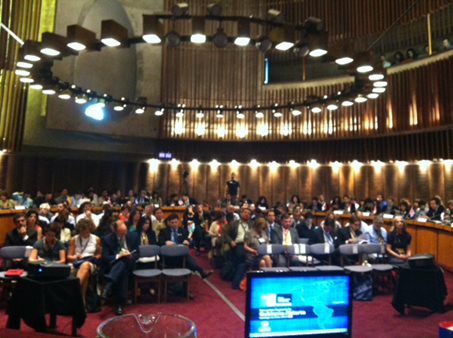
x: 305, y: 187
x: 445, y: 245
x: 426, y: 241
x: 436, y: 180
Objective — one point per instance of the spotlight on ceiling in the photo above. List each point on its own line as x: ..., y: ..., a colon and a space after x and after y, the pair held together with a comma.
x: 79, y: 38
x: 301, y: 49
x: 258, y: 113
x: 95, y: 111
x: 160, y: 111
x: 219, y: 111
x: 81, y: 98
x: 214, y: 9
x: 316, y: 108
x: 275, y: 15
x: 364, y: 62
x: 180, y: 110
x: 113, y: 34
x: 296, y: 112
x: 180, y: 9
x: 284, y: 37
x: 318, y: 44
x: 313, y: 25
x: 52, y: 44
x: 347, y: 102
x: 263, y: 43
x: 50, y: 89
x: 220, y: 39
x: 198, y: 30
x: 275, y: 111
x: 173, y: 39
x: 243, y: 37
x: 31, y: 50
x: 141, y: 109
x: 332, y: 105
x: 360, y: 98
x: 119, y: 106
x: 152, y: 29
x: 65, y: 94
x: 239, y: 113
x: 200, y: 113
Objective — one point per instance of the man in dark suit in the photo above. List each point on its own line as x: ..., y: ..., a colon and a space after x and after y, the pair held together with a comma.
x: 348, y: 235
x: 306, y: 227
x: 347, y: 206
x: 120, y: 250
x: 326, y: 234
x: 271, y: 225
x: 286, y: 235
x: 21, y: 236
x: 233, y: 234
x: 174, y: 234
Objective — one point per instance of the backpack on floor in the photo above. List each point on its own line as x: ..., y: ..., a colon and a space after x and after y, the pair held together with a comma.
x: 362, y: 287
x: 227, y: 271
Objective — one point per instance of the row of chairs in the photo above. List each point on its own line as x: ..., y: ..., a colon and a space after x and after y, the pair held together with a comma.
x: 307, y: 252
x: 167, y: 275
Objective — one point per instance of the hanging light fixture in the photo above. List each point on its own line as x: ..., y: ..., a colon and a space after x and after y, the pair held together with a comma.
x: 113, y: 34
x: 258, y: 113
x: 198, y: 30
x: 239, y: 113
x: 52, y: 44
x: 180, y: 111
x: 243, y: 38
x: 275, y: 111
x: 318, y: 44
x: 200, y: 113
x: 283, y: 37
x: 180, y: 9
x: 152, y: 29
x: 79, y: 38
x: 219, y: 111
x: 160, y: 111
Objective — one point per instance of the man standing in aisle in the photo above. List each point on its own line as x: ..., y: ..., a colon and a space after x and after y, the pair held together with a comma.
x: 232, y: 188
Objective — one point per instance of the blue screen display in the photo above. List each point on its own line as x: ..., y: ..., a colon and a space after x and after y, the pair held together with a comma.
x: 285, y: 306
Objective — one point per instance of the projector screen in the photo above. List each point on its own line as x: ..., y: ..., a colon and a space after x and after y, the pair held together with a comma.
x: 298, y: 304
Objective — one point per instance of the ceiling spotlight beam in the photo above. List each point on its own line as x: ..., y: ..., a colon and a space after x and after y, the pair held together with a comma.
x: 54, y: 45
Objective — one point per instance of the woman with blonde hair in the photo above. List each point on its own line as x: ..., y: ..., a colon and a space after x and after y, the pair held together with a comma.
x: 398, y: 242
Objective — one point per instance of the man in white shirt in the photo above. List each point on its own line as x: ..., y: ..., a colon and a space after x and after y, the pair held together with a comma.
x: 85, y: 213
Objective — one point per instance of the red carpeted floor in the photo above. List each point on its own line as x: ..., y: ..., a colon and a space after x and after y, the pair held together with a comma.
x: 215, y: 318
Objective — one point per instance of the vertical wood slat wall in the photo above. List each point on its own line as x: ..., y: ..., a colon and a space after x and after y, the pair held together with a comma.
x: 417, y: 98
x: 205, y: 182
x: 21, y: 17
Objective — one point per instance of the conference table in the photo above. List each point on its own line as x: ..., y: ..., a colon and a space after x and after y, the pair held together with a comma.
x: 33, y: 298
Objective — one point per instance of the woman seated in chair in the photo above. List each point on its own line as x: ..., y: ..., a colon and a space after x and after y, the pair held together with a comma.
x: 84, y: 252
x: 253, y: 238
x: 33, y: 223
x: 398, y: 242
x: 49, y: 248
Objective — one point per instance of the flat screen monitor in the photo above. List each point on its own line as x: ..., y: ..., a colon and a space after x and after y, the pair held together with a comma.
x: 314, y: 304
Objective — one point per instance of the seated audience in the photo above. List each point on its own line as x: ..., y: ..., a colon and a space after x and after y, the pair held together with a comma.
x: 297, y: 218
x: 252, y: 240
x: 285, y: 235
x: 376, y: 233
x: 159, y: 223
x: 174, y: 234
x: 294, y: 202
x: 306, y: 227
x: 62, y: 209
x: 142, y: 198
x: 326, y: 233
x: 156, y: 200
x: 347, y: 205
x: 146, y: 232
x: 5, y: 201
x: 233, y: 234
x: 105, y: 228
x: 23, y: 199
x: 262, y: 203
x: 215, y: 230
x: 134, y: 219
x: 64, y: 233
x: 64, y: 197
x: 20, y: 236
x: 84, y: 252
x: 270, y: 218
x: 120, y: 250
x: 398, y: 242
x: 390, y: 208
x: 436, y: 210
x: 49, y: 248
x: 85, y: 212
x: 32, y: 222
x: 315, y: 206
